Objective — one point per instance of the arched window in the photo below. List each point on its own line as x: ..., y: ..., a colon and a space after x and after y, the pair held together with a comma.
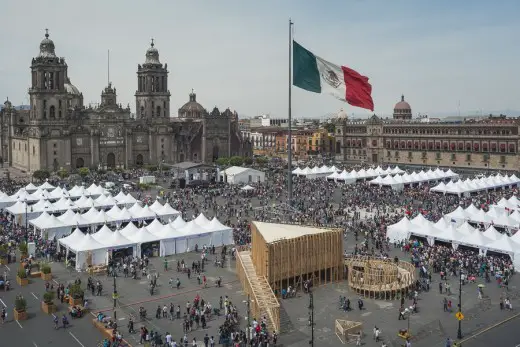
x: 142, y: 111
x: 158, y: 111
x: 153, y: 108
x: 59, y: 114
x: 52, y: 112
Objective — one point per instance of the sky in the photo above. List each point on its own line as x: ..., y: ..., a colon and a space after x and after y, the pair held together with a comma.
x: 439, y: 54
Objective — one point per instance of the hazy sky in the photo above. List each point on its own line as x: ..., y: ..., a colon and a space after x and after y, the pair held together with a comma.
x: 235, y: 53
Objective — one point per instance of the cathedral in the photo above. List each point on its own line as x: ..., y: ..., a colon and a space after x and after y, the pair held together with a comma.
x: 59, y: 131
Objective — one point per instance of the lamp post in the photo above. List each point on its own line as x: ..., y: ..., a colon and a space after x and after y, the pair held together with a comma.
x: 459, y: 331
x: 26, y: 231
x: 248, y: 318
x: 311, y: 318
x: 114, y: 294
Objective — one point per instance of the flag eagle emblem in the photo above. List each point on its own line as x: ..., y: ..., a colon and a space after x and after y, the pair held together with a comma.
x: 331, y: 78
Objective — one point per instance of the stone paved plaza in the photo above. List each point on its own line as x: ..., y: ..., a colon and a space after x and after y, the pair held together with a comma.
x: 430, y: 324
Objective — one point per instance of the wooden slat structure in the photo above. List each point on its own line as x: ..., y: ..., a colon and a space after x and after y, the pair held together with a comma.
x: 379, y: 278
x: 287, y: 255
x: 263, y: 300
x: 348, y: 331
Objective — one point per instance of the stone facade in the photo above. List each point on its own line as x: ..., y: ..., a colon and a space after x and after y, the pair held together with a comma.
x: 59, y: 131
x: 484, y: 144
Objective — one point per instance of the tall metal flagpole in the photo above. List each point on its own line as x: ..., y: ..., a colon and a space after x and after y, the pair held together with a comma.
x: 289, y: 132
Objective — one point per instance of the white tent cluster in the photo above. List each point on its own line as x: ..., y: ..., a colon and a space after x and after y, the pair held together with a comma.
x: 459, y: 233
x: 414, y: 177
x: 468, y: 186
x: 498, y: 215
x: 177, y: 236
x: 354, y: 175
x: 53, y: 226
x: 46, y: 191
x: 315, y: 172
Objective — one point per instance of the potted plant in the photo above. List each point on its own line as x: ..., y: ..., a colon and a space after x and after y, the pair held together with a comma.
x: 76, y: 295
x: 20, y: 306
x: 48, y: 303
x: 45, y: 270
x: 21, y: 278
x: 24, y: 250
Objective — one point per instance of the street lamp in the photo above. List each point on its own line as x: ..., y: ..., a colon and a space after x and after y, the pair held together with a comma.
x: 459, y: 331
x: 114, y: 294
x: 311, y: 318
x: 248, y: 330
x: 26, y: 221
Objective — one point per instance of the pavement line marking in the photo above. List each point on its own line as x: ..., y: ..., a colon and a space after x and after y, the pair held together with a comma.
x: 3, y: 303
x: 35, y: 296
x: 164, y: 297
x: 55, y: 281
x: 35, y: 345
x: 489, y: 328
x: 17, y: 322
x: 75, y: 338
x: 53, y: 315
x: 8, y: 269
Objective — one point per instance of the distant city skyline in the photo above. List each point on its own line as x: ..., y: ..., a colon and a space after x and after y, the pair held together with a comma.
x: 236, y: 55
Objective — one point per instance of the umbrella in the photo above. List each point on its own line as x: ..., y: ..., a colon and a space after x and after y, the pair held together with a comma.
x: 481, y: 286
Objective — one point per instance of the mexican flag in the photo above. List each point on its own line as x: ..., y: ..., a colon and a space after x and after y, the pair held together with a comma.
x: 318, y: 75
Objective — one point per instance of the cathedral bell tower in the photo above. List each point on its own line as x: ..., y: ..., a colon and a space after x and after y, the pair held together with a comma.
x: 48, y: 76
x: 152, y: 98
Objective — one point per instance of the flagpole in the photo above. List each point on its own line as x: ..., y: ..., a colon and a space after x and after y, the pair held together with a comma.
x: 289, y: 132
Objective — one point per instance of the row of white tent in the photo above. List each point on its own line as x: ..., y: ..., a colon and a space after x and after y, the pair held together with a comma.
x: 23, y: 194
x: 469, y: 186
x: 414, y: 177
x: 173, y: 238
x: 53, y: 226
x: 21, y: 209
x: 464, y: 234
x: 333, y: 172
x: 497, y: 215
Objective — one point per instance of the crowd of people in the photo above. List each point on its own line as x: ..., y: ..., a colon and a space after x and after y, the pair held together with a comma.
x: 363, y: 211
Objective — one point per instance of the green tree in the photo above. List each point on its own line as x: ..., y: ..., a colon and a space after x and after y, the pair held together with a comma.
x: 236, y: 161
x: 151, y: 168
x: 41, y: 175
x: 83, y: 171
x: 223, y: 161
x: 63, y: 173
x: 261, y: 160
x: 330, y: 127
x: 248, y: 160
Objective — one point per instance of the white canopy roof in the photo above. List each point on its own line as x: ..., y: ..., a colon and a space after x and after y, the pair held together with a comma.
x: 215, y: 225
x: 124, y: 215
x: 114, y: 212
x: 30, y: 187
x: 248, y: 187
x: 46, y: 186
x: 178, y: 223
x: 90, y: 214
x: 129, y: 230
x: 492, y: 233
x: 86, y: 244
x: 192, y: 228
x: 155, y: 226
x: 143, y: 236
x: 76, y: 237
x: 102, y: 235
x: 64, y: 204
x: 147, y: 213
x: 168, y: 211
x: 156, y: 206
x: 201, y: 220
x: 505, y: 244
x: 51, y: 222
x: 135, y: 210
x: 18, y: 208
x: 43, y: 205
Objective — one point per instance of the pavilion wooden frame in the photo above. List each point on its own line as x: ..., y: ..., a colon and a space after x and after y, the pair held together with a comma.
x: 379, y: 278
x: 348, y: 331
x: 288, y: 262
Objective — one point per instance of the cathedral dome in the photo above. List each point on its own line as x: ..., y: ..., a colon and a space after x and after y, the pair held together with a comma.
x: 192, y: 109
x: 70, y: 88
x: 341, y: 115
x: 402, y: 105
x: 47, y: 47
x: 152, y: 55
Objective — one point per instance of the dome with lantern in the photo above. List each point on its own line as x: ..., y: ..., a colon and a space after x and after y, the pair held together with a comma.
x: 402, y: 110
x: 192, y: 109
x: 341, y: 116
x: 152, y: 55
x: 47, y: 49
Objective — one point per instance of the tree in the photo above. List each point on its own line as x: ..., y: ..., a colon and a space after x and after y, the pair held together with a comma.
x: 83, y: 171
x: 330, y: 127
x: 248, y: 161
x: 223, y: 161
x: 41, y: 175
x: 63, y: 173
x: 151, y: 168
x: 236, y: 161
x: 261, y: 160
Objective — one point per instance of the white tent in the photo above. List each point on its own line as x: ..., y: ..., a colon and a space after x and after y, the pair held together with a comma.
x: 88, y: 248
x: 129, y: 230
x: 238, y: 175
x: 31, y: 187
x: 220, y: 234
x: 50, y: 226
x: 247, y: 188
x: 90, y: 214
x: 143, y: 236
x: 46, y: 186
x: 178, y: 223
x: 504, y: 244
x: 76, y: 237
x: 399, y: 231
x: 155, y: 226
x: 196, y: 235
x: 156, y: 206
x: 123, y: 216
x: 167, y: 212
x: 492, y: 233
x: 102, y: 235
x: 202, y: 220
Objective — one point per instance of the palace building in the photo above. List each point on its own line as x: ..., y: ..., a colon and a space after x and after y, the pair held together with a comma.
x: 487, y: 143
x: 59, y: 131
